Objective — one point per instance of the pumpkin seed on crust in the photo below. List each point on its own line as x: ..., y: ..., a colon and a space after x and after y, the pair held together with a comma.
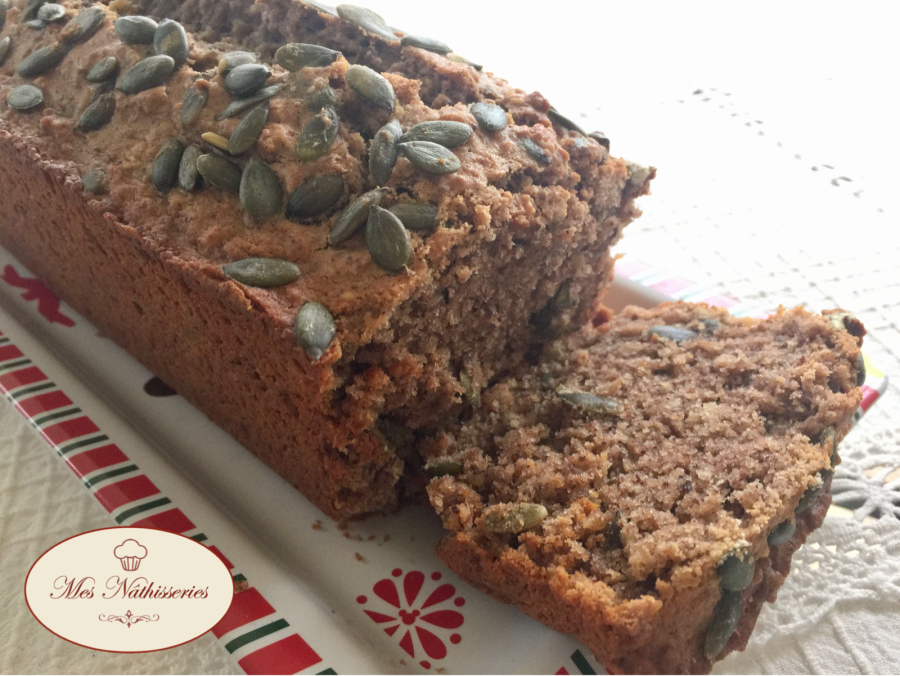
x: 430, y: 157
x: 367, y: 20
x: 416, y: 217
x: 239, y: 106
x: 591, y: 402
x: 563, y: 121
x: 170, y: 38
x: 515, y: 518
x: 490, y: 117
x: 724, y: 621
x: 261, y: 191
x: 30, y: 10
x: 83, y: 26
x: 248, y: 130
x: 94, y: 181
x: 387, y: 240
x: 247, y: 79
x: 447, y: 133
x: 314, y: 329
x: 214, y: 139
x: 371, y: 86
x: 315, y: 196
x: 384, y: 151
x: 231, y: 60
x: 192, y: 105
x: 187, y: 168
x: 166, y: 165
x: 264, y: 273
x: 674, y: 333
x: 296, y: 55
x: 135, y: 30
x: 427, y: 44
x: 219, y: 172
x: 25, y: 97
x: 103, y: 70
x: 152, y: 72
x: 42, y: 60
x: 51, y: 13
x: 4, y: 48
x: 98, y: 114
x: 353, y: 217
x: 318, y: 135
x: 534, y: 150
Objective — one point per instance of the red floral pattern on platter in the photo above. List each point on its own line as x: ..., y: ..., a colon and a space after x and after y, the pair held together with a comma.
x: 415, y: 615
x: 48, y: 302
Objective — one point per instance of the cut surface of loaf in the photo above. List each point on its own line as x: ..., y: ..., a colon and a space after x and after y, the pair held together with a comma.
x: 645, y: 487
x: 119, y: 191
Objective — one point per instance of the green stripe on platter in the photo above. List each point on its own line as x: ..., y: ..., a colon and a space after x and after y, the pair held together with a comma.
x: 93, y: 481
x: 75, y: 445
x: 9, y: 366
x: 199, y: 537
x: 4, y: 341
x: 31, y: 390
x: 44, y: 419
x: 582, y: 663
x: 128, y: 513
x: 239, y: 578
x: 256, y: 634
x: 327, y: 671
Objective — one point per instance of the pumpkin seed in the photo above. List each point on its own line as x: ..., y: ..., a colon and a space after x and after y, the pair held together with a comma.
x: 98, y: 114
x: 261, y: 190
x: 829, y: 437
x: 4, y: 5
x: 370, y: 85
x: 563, y: 121
x: 239, y: 106
x: 782, y: 533
x: 30, y: 10
x: 171, y: 39
x: 352, y: 218
x: 321, y: 7
x: 591, y: 402
x: 25, y: 97
x: 840, y: 320
x: 264, y: 273
x: 166, y: 165
x: 416, y: 217
x: 314, y: 329
x: 430, y: 157
x: 673, y: 333
x: 136, y: 30
x: 471, y: 393
x: 367, y: 20
x: 724, y: 621
x: 83, y: 26
x: 860, y: 370
x: 248, y: 130
x: 534, y: 150
x: 395, y: 433
x: 187, y: 168
x: 427, y: 44
x: 600, y: 138
x: 315, y: 196
x: 147, y: 74
x: 489, y: 116
x: 384, y: 151
x: 4, y: 48
x: 51, y: 12
x: 710, y: 326
x: 387, y: 240
x: 220, y: 172
x: 323, y: 98
x: 214, y: 139
x: 231, y: 60
x: 36, y: 24
x: 318, y: 135
x: 445, y: 468
x: 456, y: 58
x: 443, y: 132
x: 809, y: 497
x: 296, y: 55
x: 735, y: 572
x: 195, y: 99
x: 103, y: 69
x: 247, y: 79
x: 637, y: 176
x: 514, y: 518
x: 94, y: 181
x: 41, y: 60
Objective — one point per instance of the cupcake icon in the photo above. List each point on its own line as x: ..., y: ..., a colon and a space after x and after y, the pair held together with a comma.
x: 130, y: 554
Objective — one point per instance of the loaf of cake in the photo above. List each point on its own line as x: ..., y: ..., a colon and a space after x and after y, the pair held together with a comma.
x: 644, y: 487
x: 326, y: 234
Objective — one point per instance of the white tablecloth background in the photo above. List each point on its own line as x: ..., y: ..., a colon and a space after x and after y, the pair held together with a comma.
x: 774, y: 130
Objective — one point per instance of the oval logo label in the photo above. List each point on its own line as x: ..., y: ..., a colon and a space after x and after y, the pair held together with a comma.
x: 129, y: 590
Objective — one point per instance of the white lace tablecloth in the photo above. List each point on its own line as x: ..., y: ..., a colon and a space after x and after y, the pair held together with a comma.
x: 773, y: 128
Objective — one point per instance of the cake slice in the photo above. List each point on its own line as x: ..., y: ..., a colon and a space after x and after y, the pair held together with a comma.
x: 146, y: 171
x: 645, y: 486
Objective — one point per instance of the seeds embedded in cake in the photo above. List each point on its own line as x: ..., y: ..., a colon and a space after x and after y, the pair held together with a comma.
x: 263, y: 272
x: 490, y: 117
x: 446, y: 133
x: 318, y: 135
x: 98, y: 114
x: 248, y: 130
x: 371, y: 86
x: 315, y: 329
x: 416, y: 217
x: 294, y: 56
x: 430, y: 157
x: 147, y: 74
x: 135, y: 30
x: 315, y: 196
x: 25, y: 97
x: 384, y: 152
x: 353, y: 217
x: 102, y: 70
x: 534, y: 150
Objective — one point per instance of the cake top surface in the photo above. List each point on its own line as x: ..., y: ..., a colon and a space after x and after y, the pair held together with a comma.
x: 643, y: 452
x: 516, y: 183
